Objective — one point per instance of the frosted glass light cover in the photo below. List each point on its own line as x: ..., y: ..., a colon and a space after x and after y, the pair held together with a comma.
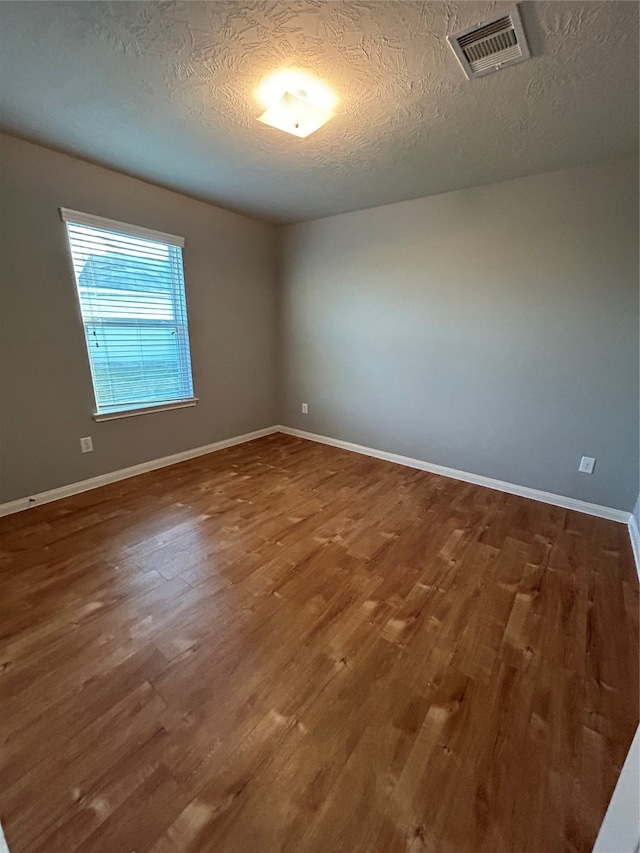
x: 295, y: 115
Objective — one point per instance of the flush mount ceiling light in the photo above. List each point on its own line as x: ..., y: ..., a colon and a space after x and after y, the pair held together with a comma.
x: 296, y: 103
x: 295, y: 114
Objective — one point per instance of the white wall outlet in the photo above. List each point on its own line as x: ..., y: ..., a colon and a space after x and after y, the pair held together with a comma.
x: 587, y: 464
x: 86, y: 444
x: 305, y: 408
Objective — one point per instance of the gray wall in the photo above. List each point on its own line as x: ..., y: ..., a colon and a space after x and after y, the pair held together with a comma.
x: 46, y: 399
x: 493, y: 330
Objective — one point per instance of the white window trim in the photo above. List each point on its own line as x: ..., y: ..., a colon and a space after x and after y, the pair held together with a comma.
x: 80, y: 218
x: 145, y: 410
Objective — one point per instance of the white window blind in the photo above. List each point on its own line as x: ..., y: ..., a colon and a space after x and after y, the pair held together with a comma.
x: 130, y: 287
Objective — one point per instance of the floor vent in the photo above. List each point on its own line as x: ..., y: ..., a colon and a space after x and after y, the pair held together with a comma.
x: 491, y: 46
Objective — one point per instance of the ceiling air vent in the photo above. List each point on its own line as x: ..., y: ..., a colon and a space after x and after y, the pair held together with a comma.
x: 491, y: 46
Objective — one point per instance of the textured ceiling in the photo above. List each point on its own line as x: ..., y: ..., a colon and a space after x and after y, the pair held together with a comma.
x: 167, y: 92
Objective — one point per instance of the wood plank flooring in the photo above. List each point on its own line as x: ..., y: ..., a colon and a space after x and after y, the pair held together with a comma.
x: 287, y: 647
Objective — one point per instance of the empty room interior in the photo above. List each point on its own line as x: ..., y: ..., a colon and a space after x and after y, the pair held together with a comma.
x: 319, y: 427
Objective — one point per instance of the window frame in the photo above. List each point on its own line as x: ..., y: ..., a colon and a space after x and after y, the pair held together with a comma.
x: 127, y: 410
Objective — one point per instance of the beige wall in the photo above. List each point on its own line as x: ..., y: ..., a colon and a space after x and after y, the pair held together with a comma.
x: 492, y: 330
x: 46, y: 399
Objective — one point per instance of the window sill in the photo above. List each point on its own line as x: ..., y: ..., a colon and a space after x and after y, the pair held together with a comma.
x: 145, y: 410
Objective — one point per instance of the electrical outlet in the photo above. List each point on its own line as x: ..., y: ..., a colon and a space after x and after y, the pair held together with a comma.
x: 587, y: 464
x: 305, y: 408
x: 86, y: 444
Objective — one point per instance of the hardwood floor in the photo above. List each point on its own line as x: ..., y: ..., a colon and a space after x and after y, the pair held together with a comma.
x: 287, y: 647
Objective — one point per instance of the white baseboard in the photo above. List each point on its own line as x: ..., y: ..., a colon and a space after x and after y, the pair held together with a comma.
x: 476, y: 479
x: 634, y: 533
x: 124, y: 473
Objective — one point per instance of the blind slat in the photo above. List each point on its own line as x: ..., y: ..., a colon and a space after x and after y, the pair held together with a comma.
x: 120, y: 230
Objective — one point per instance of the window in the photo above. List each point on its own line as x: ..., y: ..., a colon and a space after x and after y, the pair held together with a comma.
x: 131, y: 291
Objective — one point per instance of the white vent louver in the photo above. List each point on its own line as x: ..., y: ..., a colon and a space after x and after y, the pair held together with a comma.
x: 491, y: 46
